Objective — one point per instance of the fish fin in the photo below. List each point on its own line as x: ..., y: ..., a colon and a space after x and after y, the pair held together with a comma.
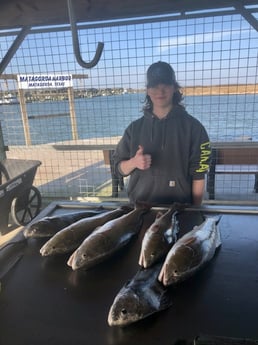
x: 218, y: 241
x: 165, y: 298
x: 166, y: 301
x: 218, y: 218
x: 190, y: 241
x: 127, y: 283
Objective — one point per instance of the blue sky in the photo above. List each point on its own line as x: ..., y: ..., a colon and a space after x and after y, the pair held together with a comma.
x: 203, y: 51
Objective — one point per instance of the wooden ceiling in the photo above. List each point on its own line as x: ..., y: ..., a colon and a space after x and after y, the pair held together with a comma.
x: 16, y: 14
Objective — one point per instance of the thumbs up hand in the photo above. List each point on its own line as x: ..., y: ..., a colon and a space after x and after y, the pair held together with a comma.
x: 142, y: 161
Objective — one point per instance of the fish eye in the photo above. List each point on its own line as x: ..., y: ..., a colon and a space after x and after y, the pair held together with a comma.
x: 152, y: 254
x: 124, y: 311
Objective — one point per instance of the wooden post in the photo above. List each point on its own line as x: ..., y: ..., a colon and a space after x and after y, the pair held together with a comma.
x: 2, y: 147
x: 25, y: 121
x: 72, y: 113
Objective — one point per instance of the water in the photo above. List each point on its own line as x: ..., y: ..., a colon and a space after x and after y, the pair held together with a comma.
x: 226, y: 117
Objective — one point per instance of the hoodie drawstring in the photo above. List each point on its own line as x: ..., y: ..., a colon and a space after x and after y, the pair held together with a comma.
x: 152, y: 127
x: 163, y: 131
x: 164, y: 126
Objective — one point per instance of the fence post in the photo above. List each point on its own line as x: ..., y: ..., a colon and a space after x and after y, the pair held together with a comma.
x: 72, y: 113
x: 25, y: 120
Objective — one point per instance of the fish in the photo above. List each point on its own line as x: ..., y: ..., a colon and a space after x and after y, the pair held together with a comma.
x: 69, y: 238
x: 108, y: 239
x: 191, y: 252
x: 139, y: 298
x: 49, y: 226
x: 159, y: 237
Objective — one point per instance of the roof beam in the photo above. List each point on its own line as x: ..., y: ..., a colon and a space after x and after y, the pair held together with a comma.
x: 247, y: 15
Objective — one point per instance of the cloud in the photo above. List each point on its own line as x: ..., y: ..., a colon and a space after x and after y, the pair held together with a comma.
x: 172, y: 42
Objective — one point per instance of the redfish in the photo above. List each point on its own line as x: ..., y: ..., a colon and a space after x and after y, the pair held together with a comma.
x: 49, y: 226
x: 108, y: 239
x: 159, y: 237
x: 191, y: 252
x: 69, y: 238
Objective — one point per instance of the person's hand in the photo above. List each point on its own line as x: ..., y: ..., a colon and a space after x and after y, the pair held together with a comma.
x: 142, y: 161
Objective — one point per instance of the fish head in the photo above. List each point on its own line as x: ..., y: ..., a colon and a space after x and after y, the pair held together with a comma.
x: 47, y: 249
x: 154, y: 247
x: 127, y: 308
x: 181, y: 264
x: 56, y: 245
x: 37, y: 229
x: 91, y: 251
x: 31, y: 231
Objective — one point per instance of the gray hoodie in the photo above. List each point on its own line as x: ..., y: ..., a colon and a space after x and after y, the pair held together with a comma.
x: 180, y: 151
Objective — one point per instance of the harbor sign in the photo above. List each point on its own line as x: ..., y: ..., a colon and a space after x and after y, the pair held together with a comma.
x: 41, y: 81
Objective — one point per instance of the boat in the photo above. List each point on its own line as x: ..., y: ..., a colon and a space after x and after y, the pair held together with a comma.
x: 9, y: 99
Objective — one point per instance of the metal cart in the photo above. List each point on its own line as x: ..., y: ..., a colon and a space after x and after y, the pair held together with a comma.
x: 18, y: 196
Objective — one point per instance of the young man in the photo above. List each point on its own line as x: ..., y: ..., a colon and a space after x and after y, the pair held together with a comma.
x: 166, y: 152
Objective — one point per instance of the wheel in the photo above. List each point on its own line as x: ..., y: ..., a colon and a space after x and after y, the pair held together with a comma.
x: 26, y: 207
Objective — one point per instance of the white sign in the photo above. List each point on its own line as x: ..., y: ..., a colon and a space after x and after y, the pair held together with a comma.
x: 44, y: 81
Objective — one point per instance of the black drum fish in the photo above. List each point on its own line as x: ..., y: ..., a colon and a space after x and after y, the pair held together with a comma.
x: 139, y: 298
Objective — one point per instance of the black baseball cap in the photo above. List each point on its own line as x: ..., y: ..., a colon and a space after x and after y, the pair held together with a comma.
x: 160, y: 73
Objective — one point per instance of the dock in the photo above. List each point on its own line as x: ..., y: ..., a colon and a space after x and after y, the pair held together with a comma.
x: 77, y: 169
x: 68, y: 170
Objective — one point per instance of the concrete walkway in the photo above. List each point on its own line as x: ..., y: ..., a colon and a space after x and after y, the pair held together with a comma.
x: 65, y: 173
x: 82, y: 173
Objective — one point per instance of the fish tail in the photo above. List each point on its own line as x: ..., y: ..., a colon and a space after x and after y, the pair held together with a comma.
x: 127, y: 208
x: 143, y: 205
x: 217, y: 219
x: 177, y: 206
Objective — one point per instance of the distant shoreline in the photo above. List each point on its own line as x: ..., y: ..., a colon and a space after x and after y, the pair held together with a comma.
x: 221, y: 90
x: 44, y: 95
